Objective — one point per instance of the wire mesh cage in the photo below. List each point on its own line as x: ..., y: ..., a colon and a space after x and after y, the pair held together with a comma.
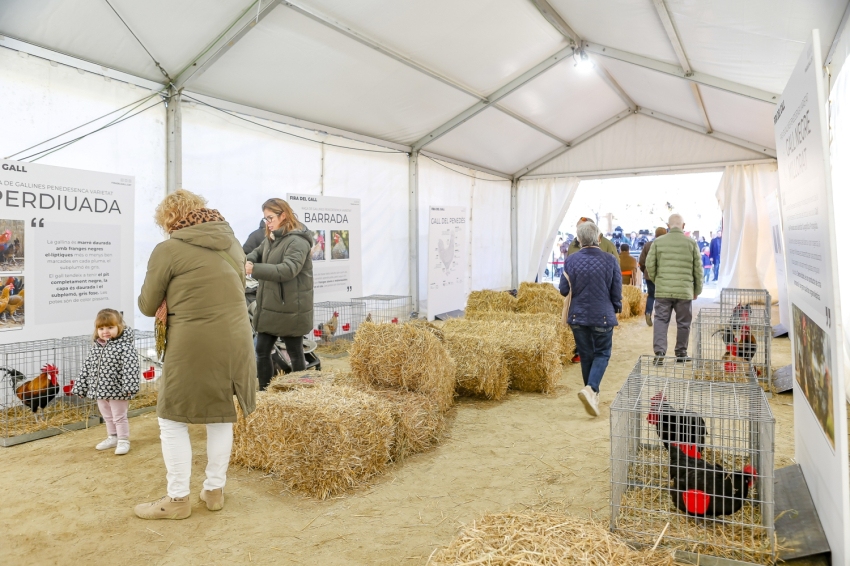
x: 695, y: 458
x: 734, y: 336
x: 35, y: 390
x: 336, y: 320
x: 754, y: 300
x: 150, y: 368
x: 381, y: 309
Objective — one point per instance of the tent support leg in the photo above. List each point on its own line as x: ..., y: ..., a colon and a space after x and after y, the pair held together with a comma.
x: 514, y: 240
x: 174, y: 142
x: 413, y: 237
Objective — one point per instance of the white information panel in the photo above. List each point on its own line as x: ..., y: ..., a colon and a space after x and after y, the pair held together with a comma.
x: 337, y: 264
x: 808, y: 224
x: 66, y: 249
x: 448, y: 259
x: 773, y: 213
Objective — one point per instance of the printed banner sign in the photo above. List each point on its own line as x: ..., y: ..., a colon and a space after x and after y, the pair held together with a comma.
x: 337, y: 264
x: 808, y: 224
x: 448, y: 259
x: 66, y: 249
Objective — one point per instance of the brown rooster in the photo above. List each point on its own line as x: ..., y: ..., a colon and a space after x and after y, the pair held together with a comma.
x: 328, y: 329
x: 15, y: 302
x: 37, y: 393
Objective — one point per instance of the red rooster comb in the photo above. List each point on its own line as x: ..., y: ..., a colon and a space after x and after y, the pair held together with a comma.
x: 658, y: 398
x: 50, y: 370
x: 689, y: 450
x: 750, y: 471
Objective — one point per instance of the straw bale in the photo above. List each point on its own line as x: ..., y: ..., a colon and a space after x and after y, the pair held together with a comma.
x: 300, y: 379
x: 419, y: 422
x: 633, y: 296
x: 490, y: 301
x: 625, y: 313
x: 481, y: 369
x: 531, y: 351
x: 539, y: 298
x: 643, y: 299
x: 537, y: 538
x: 321, y: 441
x: 403, y: 356
x: 423, y: 324
x: 565, y: 334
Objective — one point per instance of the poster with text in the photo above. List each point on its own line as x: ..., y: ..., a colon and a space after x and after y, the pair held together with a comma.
x: 809, y: 232
x: 448, y: 259
x: 66, y: 249
x: 337, y: 264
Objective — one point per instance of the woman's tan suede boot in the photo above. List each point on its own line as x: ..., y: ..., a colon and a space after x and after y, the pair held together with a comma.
x: 165, y: 508
x: 213, y: 498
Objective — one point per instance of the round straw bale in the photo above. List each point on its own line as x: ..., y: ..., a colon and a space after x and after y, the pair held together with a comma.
x: 531, y: 351
x: 537, y: 538
x: 565, y: 334
x: 419, y: 422
x: 539, y: 298
x: 320, y: 441
x: 490, y: 301
x: 633, y: 296
x: 481, y: 369
x: 404, y: 357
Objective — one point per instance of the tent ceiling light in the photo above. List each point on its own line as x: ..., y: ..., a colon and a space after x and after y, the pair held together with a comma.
x: 582, y: 60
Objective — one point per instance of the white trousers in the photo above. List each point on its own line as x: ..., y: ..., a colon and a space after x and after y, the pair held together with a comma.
x: 177, y: 453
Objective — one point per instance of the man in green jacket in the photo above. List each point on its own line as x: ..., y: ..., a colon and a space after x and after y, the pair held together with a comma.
x: 675, y: 266
x: 605, y: 244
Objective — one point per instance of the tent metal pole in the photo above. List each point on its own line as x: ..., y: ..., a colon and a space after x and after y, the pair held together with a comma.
x: 413, y: 226
x: 514, y: 238
x: 174, y: 142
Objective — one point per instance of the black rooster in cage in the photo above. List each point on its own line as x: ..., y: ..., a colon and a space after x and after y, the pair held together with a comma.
x: 703, y: 489
x: 674, y: 425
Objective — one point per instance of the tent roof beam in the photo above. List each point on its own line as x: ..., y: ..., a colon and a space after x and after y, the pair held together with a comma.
x: 225, y: 40
x: 652, y: 170
x: 494, y: 97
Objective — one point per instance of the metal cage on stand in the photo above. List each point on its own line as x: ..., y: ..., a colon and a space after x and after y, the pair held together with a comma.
x: 668, y: 437
x: 758, y: 300
x: 35, y: 392
x: 336, y: 320
x: 382, y: 309
x: 150, y: 369
x: 734, y: 336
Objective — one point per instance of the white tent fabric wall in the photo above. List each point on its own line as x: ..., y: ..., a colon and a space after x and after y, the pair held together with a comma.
x: 839, y: 149
x: 746, y: 257
x: 238, y: 165
x: 488, y: 203
x: 40, y: 100
x: 541, y: 206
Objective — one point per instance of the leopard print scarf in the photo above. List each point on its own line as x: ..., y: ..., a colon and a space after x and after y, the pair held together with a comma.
x: 196, y: 217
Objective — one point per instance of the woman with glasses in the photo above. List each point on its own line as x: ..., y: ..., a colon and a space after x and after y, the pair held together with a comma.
x: 284, y: 268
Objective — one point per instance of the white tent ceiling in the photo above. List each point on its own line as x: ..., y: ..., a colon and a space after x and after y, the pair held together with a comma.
x: 492, y: 83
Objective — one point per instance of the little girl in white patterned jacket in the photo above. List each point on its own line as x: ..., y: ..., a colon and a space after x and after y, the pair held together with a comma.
x: 110, y: 374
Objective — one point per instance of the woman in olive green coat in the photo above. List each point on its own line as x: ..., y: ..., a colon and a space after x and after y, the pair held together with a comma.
x: 284, y: 267
x: 197, y: 278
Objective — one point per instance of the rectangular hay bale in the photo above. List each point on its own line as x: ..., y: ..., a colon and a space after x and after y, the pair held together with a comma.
x: 535, y: 298
x: 565, y: 334
x: 481, y: 369
x: 490, y: 301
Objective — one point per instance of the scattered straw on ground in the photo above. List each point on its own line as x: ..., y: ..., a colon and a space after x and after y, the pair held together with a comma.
x: 634, y: 297
x: 531, y: 351
x: 18, y: 420
x: 539, y: 298
x: 535, y: 538
x: 404, y: 357
x: 301, y: 379
x: 146, y: 398
x: 321, y: 441
x: 565, y: 334
x: 481, y: 369
x: 490, y: 301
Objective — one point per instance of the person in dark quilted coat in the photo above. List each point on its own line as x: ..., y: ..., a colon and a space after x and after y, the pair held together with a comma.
x: 593, y: 276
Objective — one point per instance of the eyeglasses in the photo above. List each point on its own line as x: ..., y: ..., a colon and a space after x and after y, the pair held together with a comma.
x: 271, y: 217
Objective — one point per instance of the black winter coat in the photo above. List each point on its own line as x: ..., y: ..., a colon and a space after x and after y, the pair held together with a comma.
x: 111, y: 370
x: 597, y: 287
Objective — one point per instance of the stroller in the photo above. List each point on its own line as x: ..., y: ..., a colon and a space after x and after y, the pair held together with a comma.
x: 280, y: 358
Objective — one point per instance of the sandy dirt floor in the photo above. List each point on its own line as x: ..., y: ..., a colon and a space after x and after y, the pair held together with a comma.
x: 62, y: 502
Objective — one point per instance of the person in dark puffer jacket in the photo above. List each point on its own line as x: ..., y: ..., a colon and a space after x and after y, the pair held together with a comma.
x: 597, y: 296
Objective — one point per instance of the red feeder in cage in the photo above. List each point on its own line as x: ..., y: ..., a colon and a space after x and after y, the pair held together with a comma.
x: 317, y: 333
x: 395, y: 320
x: 67, y: 388
x: 149, y: 373
x: 346, y: 327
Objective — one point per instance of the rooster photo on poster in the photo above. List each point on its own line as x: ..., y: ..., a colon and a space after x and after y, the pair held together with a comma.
x: 317, y: 252
x: 11, y: 246
x: 813, y: 371
x: 340, y: 244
